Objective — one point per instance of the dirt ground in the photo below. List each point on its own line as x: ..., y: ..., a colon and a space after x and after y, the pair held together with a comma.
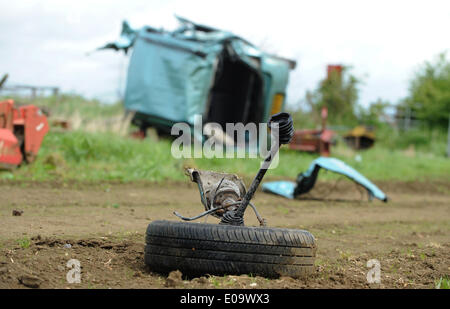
x: 103, y: 226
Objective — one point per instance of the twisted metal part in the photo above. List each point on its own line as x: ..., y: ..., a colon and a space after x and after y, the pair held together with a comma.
x: 197, y: 217
x: 232, y: 218
x: 285, y: 126
x: 227, y: 194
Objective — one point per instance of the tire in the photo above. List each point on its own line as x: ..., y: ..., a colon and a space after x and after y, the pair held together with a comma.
x: 198, y: 249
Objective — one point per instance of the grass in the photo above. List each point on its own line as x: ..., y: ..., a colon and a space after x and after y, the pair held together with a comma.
x: 215, y: 281
x: 86, y: 114
x: 24, y: 243
x: 96, y: 151
x: 443, y: 283
x: 85, y: 156
x: 67, y: 104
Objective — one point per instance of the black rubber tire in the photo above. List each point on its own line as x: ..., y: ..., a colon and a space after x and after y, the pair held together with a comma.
x: 199, y: 249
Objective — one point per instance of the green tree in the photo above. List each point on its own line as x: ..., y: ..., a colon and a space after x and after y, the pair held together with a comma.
x: 339, y: 93
x: 374, y: 115
x: 429, y: 92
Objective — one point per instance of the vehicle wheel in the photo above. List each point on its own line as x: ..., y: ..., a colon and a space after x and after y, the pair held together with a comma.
x: 198, y: 249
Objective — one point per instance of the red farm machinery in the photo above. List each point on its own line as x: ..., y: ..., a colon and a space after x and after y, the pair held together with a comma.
x: 315, y: 140
x: 22, y: 130
x: 318, y: 140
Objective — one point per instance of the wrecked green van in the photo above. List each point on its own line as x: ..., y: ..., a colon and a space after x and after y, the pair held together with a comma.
x: 199, y: 70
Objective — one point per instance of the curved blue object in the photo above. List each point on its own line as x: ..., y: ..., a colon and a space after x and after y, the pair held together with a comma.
x: 283, y: 188
x: 288, y: 188
x: 337, y: 166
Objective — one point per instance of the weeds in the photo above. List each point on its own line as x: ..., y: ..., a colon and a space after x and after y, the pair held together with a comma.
x: 215, y: 281
x: 103, y: 154
x: 24, y: 243
x: 84, y: 156
x: 443, y: 283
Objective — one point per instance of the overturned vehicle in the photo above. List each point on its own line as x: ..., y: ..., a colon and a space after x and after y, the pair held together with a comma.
x: 199, y: 70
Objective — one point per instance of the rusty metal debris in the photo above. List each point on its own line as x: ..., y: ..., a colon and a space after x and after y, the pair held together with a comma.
x: 224, y: 195
x: 360, y: 137
x: 219, y: 193
x: 315, y: 141
x: 64, y: 124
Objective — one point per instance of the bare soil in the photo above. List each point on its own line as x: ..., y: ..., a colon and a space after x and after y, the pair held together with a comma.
x: 103, y: 225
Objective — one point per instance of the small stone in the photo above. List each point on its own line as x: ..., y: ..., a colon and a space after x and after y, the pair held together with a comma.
x: 67, y: 246
x: 16, y: 212
x: 286, y: 278
x: 174, y: 278
x: 3, y: 270
x: 30, y: 281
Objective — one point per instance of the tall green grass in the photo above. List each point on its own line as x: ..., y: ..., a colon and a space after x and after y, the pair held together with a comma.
x: 66, y: 105
x: 378, y: 163
x: 85, y: 156
x: 102, y: 154
x: 443, y: 283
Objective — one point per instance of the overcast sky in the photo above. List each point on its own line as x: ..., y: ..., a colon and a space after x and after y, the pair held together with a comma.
x: 47, y: 42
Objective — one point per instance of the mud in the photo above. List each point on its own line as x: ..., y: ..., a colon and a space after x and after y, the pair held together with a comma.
x: 103, y: 225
